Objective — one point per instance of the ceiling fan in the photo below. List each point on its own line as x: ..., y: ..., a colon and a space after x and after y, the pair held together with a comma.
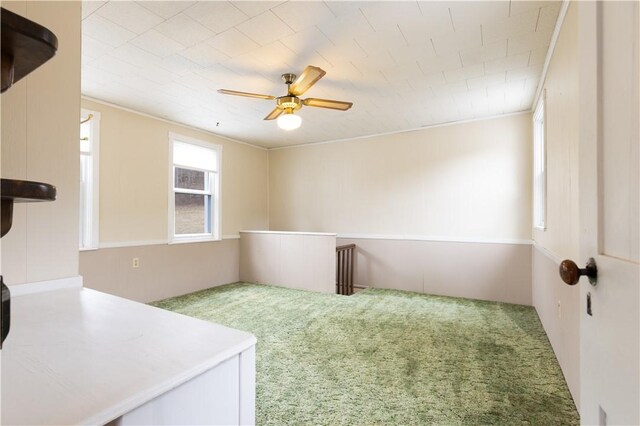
x: 287, y: 104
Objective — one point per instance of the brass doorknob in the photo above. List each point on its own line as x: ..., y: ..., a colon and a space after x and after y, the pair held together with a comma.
x: 570, y: 273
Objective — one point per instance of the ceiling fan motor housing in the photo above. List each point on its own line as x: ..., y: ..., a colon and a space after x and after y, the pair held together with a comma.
x: 286, y: 102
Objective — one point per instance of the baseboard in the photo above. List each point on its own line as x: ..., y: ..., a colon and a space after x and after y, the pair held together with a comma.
x: 42, y: 286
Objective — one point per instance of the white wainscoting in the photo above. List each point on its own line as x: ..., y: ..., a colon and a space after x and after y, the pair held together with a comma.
x: 498, y: 271
x: 298, y: 260
x: 558, y: 306
x: 165, y: 270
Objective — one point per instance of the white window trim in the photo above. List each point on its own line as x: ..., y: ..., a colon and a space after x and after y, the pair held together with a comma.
x: 216, y: 213
x: 94, y: 236
x: 542, y: 224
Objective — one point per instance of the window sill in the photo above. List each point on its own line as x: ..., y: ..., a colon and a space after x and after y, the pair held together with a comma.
x: 88, y: 248
x: 193, y: 240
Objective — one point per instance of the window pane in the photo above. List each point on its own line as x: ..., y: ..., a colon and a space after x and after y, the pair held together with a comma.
x: 85, y: 131
x: 190, y: 155
x: 539, y: 190
x: 86, y: 200
x: 191, y: 214
x: 189, y: 179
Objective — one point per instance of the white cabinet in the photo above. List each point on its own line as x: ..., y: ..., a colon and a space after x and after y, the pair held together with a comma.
x: 213, y: 398
x: 78, y: 356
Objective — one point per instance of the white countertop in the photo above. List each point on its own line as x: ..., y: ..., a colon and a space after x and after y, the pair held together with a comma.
x: 78, y: 356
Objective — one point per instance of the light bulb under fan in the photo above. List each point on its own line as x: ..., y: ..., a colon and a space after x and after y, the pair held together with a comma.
x: 288, y: 104
x: 289, y: 121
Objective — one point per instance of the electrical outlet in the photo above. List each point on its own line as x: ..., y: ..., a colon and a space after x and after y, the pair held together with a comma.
x: 136, y: 262
x: 559, y: 310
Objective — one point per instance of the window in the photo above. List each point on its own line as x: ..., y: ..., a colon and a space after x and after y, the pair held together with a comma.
x: 539, y: 165
x: 194, y: 190
x: 89, y: 164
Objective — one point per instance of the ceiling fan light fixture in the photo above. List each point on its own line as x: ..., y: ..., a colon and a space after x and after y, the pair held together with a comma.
x: 286, y: 105
x: 289, y: 121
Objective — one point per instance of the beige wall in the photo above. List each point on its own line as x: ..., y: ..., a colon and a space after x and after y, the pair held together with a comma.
x: 40, y: 136
x: 466, y: 184
x: 134, y: 175
x: 470, y: 180
x: 558, y: 305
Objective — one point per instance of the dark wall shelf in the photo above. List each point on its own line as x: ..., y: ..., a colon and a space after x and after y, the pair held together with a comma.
x: 21, y: 191
x: 25, y: 46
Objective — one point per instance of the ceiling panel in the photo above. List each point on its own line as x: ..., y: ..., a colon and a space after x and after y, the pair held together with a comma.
x: 218, y: 16
x: 468, y: 14
x: 178, y: 65
x: 537, y: 56
x: 507, y: 63
x: 529, y: 42
x: 515, y: 25
x: 157, y: 44
x: 166, y: 9
x: 232, y: 43
x: 301, y: 15
x: 403, y: 64
x: 456, y: 41
x: 105, y: 31
x: 519, y: 6
x: 485, y: 53
x: 130, y: 16
x: 465, y: 73
x: 547, y: 18
x: 184, y: 30
x: 89, y: 7
x: 94, y: 48
x: 255, y: 8
x: 204, y: 55
x: 265, y: 28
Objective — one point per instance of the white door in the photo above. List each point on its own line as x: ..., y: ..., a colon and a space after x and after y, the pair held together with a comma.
x: 609, y: 214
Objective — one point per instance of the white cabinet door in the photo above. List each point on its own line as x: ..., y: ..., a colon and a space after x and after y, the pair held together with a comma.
x: 212, y: 398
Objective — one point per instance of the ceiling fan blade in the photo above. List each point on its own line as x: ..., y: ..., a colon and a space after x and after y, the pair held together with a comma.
x: 248, y: 95
x: 327, y: 103
x: 308, y: 78
x: 274, y: 114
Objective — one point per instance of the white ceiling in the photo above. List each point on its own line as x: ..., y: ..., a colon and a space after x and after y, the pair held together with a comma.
x: 403, y: 64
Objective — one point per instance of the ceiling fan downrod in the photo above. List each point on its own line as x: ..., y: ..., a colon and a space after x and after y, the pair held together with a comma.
x: 288, y: 79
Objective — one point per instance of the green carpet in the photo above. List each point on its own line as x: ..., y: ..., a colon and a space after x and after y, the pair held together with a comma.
x: 390, y: 357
